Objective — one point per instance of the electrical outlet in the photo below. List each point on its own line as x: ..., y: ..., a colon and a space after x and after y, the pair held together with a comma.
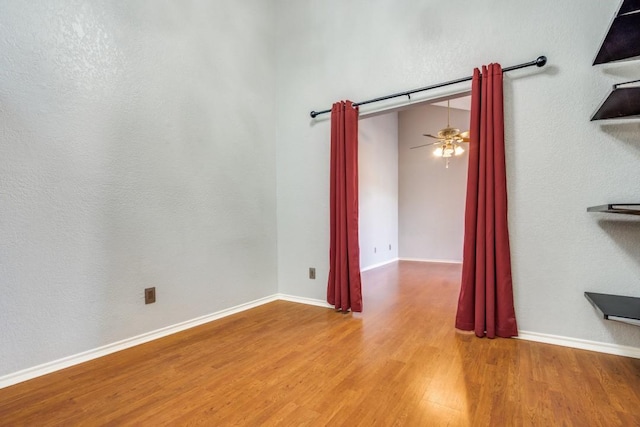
x: 312, y: 273
x: 150, y: 295
x: 389, y: 246
x: 375, y: 250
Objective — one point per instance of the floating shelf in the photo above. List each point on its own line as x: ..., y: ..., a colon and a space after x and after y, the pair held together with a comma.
x: 616, y: 307
x: 622, y: 102
x: 621, y: 41
x: 619, y: 208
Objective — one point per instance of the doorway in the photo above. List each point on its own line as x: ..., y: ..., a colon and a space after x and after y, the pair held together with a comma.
x: 411, y: 205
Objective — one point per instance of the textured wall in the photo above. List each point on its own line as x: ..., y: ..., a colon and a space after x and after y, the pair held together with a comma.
x: 558, y: 162
x: 378, y: 189
x: 138, y: 149
x: 431, y: 196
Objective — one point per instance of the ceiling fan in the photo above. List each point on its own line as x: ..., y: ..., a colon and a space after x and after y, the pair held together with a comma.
x: 448, y: 140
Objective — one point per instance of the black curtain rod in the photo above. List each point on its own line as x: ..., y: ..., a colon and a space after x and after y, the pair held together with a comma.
x: 539, y: 62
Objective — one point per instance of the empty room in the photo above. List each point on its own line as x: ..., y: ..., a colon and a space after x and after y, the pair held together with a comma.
x: 279, y: 212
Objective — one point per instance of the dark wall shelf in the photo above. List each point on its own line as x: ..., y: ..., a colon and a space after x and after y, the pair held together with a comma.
x: 619, y: 208
x: 622, y: 102
x: 621, y: 41
x: 616, y: 307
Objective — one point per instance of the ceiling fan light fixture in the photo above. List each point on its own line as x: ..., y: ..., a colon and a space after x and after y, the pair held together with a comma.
x: 449, y: 140
x: 448, y: 151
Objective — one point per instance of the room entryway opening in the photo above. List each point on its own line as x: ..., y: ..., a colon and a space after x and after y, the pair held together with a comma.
x: 411, y: 205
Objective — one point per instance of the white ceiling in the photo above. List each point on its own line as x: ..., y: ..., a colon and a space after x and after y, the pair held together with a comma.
x: 463, y: 103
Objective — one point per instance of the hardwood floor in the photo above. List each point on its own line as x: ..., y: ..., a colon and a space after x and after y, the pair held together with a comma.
x: 400, y: 363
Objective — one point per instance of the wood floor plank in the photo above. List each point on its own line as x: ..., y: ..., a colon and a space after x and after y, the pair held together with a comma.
x: 399, y: 363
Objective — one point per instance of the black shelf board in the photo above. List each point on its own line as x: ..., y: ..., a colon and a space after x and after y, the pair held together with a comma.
x: 616, y: 307
x: 621, y: 103
x: 619, y: 208
x: 622, y: 39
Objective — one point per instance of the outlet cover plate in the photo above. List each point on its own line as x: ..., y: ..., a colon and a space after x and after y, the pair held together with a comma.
x: 150, y: 295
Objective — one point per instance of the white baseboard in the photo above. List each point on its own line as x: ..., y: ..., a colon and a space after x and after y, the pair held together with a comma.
x: 444, y: 261
x: 65, y: 362
x: 600, y: 347
x: 380, y: 264
x: 56, y: 365
x: 303, y: 300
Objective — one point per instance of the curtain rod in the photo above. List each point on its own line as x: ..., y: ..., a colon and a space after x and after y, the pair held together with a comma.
x: 539, y: 62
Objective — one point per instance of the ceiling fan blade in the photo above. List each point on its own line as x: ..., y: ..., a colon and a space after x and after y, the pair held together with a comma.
x: 430, y: 136
x: 466, y: 137
x: 423, y: 145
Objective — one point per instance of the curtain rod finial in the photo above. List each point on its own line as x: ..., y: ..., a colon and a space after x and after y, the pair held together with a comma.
x: 313, y: 114
x: 541, y: 61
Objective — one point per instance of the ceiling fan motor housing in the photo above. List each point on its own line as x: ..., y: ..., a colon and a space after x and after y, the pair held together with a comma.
x: 448, y: 133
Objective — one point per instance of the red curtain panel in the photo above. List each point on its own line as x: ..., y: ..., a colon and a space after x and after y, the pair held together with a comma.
x: 485, y: 305
x: 344, y: 289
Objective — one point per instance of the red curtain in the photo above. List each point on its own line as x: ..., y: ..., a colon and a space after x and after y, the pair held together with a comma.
x: 485, y: 304
x: 344, y: 287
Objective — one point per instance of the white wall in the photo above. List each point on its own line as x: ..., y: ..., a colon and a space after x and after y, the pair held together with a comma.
x: 378, y: 189
x: 138, y: 149
x: 431, y: 196
x: 139, y: 138
x: 558, y: 162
